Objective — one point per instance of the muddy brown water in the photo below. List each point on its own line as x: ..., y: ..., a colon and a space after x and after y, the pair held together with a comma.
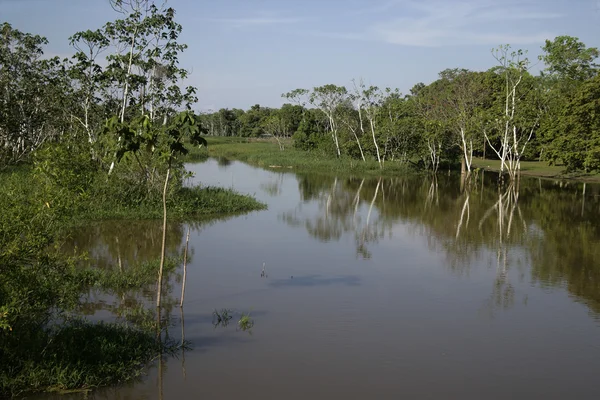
x: 389, y: 288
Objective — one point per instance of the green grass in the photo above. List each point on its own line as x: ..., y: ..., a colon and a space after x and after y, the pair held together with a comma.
x: 78, y: 356
x: 539, y: 169
x: 265, y: 153
x: 185, y: 204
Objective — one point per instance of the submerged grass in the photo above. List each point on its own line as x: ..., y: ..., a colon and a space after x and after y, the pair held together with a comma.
x: 142, y: 275
x: 265, y: 153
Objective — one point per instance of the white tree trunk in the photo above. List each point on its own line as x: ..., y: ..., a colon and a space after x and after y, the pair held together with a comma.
x: 164, y: 240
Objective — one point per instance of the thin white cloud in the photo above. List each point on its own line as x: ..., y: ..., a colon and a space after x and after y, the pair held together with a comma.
x: 246, y: 22
x: 431, y: 23
x: 375, y: 7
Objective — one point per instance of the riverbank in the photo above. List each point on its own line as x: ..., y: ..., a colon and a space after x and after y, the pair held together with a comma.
x: 265, y: 153
x: 540, y: 169
x: 104, y: 199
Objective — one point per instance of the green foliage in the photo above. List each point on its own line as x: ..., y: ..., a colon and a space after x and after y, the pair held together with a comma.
x: 75, y: 355
x: 577, y: 144
x: 34, y: 95
x: 568, y: 58
x: 245, y: 323
x: 307, y: 135
x: 266, y: 154
x: 221, y: 319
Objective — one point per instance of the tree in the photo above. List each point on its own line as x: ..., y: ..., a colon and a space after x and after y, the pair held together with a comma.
x: 568, y: 58
x: 520, y: 111
x: 328, y: 99
x: 291, y: 115
x: 273, y: 126
x: 568, y: 64
x: 34, y: 95
x: 434, y: 124
x: 87, y: 78
x: 167, y: 141
x: 144, y: 73
x: 577, y: 144
x: 400, y: 125
x: 462, y: 99
x: 369, y: 99
x: 252, y: 121
x: 352, y: 118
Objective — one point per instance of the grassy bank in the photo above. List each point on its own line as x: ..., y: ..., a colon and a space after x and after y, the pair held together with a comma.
x: 265, y: 153
x: 78, y: 356
x: 184, y: 204
x: 540, y: 169
x: 104, y: 199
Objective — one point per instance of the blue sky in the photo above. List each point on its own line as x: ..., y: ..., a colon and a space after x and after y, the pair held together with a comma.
x: 244, y: 52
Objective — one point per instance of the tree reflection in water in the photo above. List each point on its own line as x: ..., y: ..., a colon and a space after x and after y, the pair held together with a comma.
x: 548, y: 231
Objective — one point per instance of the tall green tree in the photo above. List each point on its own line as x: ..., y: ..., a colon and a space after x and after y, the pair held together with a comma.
x: 577, y: 144
x: 566, y: 57
x: 34, y: 95
x: 569, y: 63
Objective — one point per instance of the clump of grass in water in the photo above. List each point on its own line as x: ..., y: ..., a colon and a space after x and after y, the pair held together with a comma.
x: 223, y: 318
x: 246, y: 323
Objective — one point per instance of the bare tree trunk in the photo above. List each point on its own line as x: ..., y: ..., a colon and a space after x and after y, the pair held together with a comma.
x: 335, y: 137
x: 164, y: 239
x: 281, y: 146
x: 467, y: 153
x: 353, y: 130
x: 375, y: 142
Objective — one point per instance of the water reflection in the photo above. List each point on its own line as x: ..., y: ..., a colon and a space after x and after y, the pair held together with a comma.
x: 119, y: 244
x: 359, y: 281
x: 549, y: 229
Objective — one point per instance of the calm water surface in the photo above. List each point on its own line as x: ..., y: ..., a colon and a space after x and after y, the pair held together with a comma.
x: 388, y: 288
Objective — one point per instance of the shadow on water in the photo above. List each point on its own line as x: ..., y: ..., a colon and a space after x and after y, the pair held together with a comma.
x: 315, y: 280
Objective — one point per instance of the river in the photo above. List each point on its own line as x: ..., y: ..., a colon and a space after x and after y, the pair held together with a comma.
x: 405, y: 287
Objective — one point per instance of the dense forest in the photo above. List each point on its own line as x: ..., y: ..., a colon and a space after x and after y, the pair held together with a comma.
x: 505, y: 113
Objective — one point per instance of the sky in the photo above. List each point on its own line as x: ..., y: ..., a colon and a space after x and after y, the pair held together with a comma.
x: 246, y: 52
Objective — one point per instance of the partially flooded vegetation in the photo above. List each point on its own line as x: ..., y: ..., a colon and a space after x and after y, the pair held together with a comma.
x: 360, y: 228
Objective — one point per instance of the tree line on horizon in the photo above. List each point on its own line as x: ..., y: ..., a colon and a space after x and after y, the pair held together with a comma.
x: 128, y: 72
x: 505, y: 112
